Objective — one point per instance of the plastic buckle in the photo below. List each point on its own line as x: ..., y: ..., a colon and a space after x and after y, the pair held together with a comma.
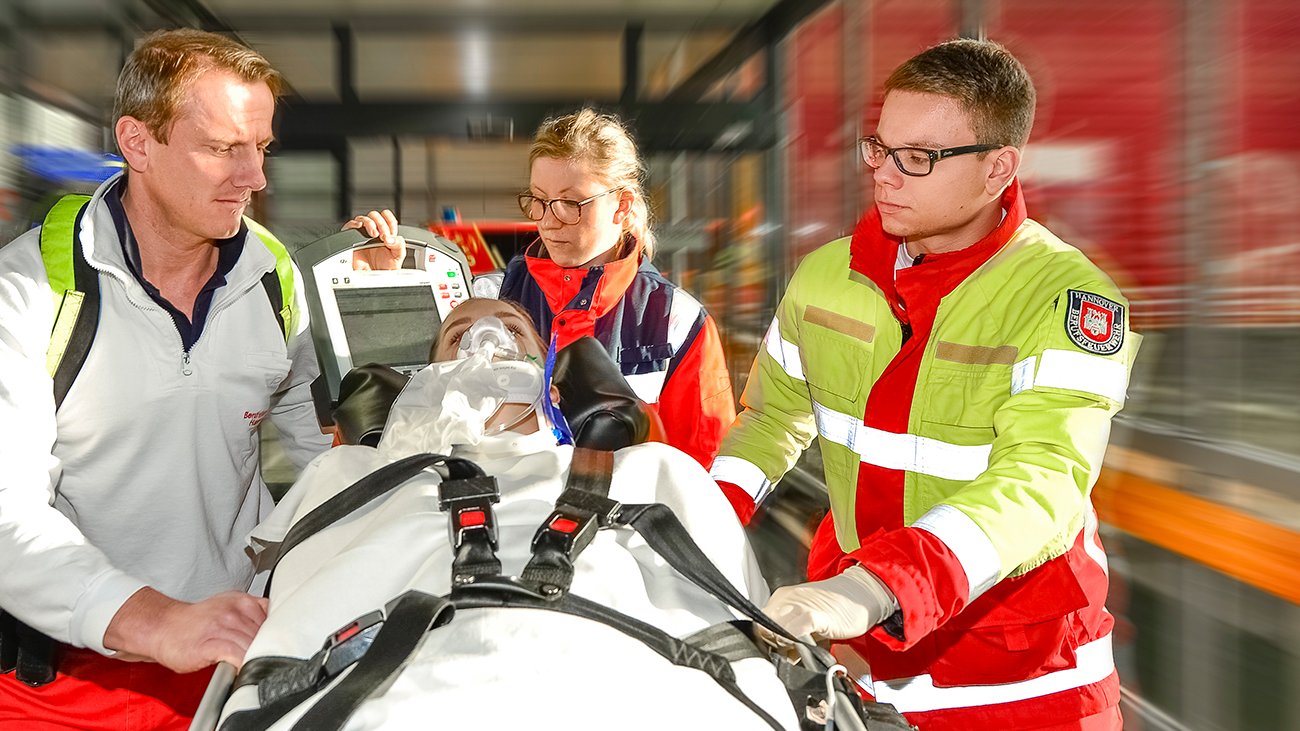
x: 603, y: 508
x: 477, y: 516
x: 568, y: 530
x: 469, y: 505
x: 349, y: 644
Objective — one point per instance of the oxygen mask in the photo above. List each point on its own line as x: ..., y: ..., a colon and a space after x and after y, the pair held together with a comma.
x: 460, y: 402
x: 491, y: 334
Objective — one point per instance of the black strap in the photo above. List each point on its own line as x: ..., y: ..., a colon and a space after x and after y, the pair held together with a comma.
x: 415, y: 614
x: 727, y: 640
x: 580, y: 511
x: 472, y: 526
x: 507, y: 593
x: 663, y: 532
x: 29, y: 653
x: 373, y: 485
x: 284, y: 683
x: 271, y: 283
x: 83, y: 331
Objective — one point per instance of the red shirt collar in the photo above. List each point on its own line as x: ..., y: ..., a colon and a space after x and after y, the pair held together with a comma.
x: 873, y: 253
x: 562, y: 284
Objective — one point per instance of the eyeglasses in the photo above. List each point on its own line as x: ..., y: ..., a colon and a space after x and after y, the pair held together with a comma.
x: 915, y: 161
x: 565, y: 211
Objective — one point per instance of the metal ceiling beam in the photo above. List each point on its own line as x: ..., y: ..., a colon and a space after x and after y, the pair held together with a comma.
x: 657, y: 126
x: 632, y: 62
x: 762, y: 34
x: 189, y: 14
x: 536, y: 22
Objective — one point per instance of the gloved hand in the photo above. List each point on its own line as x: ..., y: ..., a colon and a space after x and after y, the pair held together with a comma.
x: 843, y: 606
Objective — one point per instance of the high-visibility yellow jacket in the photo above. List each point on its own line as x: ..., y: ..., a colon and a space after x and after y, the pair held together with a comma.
x: 962, y: 407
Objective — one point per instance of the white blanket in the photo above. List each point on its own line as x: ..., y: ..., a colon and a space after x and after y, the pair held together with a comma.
x: 518, y: 668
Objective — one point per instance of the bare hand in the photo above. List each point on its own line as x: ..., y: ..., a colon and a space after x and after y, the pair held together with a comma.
x: 382, y: 226
x: 186, y: 637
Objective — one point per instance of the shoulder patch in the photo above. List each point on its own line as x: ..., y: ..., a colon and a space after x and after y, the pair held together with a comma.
x: 1094, y: 323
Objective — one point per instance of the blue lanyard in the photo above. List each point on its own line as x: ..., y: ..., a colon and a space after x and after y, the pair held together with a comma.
x: 559, y: 425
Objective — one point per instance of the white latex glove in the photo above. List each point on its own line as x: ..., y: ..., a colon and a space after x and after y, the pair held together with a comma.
x: 837, y: 608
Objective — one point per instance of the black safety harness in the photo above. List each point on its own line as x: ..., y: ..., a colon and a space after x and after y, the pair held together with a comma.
x: 378, y: 645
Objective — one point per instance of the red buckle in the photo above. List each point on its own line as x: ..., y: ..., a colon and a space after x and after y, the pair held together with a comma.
x: 472, y: 518
x: 347, y: 632
x: 563, y: 525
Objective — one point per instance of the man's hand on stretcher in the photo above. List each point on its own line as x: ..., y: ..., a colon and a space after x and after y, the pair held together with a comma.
x: 185, y: 637
x: 838, y: 608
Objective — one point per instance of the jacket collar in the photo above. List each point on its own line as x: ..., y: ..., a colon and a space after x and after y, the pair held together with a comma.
x: 920, y: 287
x: 562, y: 285
x: 101, y: 240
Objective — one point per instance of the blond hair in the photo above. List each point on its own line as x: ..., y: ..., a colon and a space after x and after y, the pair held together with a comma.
x: 160, y: 71
x: 984, y: 78
x: 601, y: 142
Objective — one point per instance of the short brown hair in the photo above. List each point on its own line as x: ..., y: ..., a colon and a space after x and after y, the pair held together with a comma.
x: 990, y: 84
x: 163, y: 67
x: 602, y: 142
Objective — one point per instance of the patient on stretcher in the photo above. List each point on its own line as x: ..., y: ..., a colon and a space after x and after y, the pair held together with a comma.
x: 485, y: 400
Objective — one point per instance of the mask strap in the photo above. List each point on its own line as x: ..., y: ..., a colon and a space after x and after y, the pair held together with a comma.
x: 559, y: 425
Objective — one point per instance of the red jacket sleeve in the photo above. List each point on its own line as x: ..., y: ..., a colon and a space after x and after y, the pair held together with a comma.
x: 696, y: 404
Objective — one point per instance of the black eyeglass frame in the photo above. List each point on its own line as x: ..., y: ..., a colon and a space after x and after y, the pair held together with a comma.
x: 864, y: 145
x: 525, y: 205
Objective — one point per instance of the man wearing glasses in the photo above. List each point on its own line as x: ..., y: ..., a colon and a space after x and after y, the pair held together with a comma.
x: 959, y: 365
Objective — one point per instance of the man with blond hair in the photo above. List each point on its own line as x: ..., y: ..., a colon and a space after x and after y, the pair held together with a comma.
x: 129, y: 491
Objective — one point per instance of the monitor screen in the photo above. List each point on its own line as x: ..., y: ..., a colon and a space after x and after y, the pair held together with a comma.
x: 392, y: 326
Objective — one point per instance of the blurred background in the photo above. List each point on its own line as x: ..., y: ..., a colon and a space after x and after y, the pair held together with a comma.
x: 1166, y: 147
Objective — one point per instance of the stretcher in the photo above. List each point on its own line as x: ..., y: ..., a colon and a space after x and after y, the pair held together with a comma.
x: 531, y: 597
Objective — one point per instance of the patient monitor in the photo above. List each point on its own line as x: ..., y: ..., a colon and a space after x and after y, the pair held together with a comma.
x: 388, y: 317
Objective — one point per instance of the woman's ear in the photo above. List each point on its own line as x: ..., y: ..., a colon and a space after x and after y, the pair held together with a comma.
x: 625, y: 200
x: 555, y: 395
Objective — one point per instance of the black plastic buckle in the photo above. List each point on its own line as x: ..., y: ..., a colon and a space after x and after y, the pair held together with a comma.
x: 603, y: 508
x: 349, y: 644
x: 469, y: 503
x: 567, y: 530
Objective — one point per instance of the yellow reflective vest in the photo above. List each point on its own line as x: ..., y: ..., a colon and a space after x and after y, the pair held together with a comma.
x: 962, y: 408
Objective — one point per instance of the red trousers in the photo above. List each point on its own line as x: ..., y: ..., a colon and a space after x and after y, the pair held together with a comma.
x: 97, y: 693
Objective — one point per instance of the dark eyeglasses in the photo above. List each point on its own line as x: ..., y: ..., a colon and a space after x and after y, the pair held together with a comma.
x: 565, y: 211
x: 915, y: 161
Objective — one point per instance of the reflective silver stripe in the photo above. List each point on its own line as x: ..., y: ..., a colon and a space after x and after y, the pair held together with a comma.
x: 968, y: 542
x: 1022, y: 375
x: 1091, y: 545
x: 681, y: 318
x: 647, y: 385
x: 909, y: 452
x: 1073, y: 371
x: 784, y: 352
x: 744, y: 474
x: 1094, y: 663
x: 1082, y: 372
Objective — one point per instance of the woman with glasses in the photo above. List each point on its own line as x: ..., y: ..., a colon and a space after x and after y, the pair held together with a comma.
x: 589, y: 273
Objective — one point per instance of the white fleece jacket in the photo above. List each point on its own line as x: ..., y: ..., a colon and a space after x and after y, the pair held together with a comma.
x: 149, y: 474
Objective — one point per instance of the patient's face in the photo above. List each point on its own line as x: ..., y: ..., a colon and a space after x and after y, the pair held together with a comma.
x: 464, y: 316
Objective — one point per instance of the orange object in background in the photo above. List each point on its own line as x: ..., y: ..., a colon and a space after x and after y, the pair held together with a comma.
x: 488, y: 245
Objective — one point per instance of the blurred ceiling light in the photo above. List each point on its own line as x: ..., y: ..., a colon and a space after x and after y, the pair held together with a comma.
x: 475, y: 64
